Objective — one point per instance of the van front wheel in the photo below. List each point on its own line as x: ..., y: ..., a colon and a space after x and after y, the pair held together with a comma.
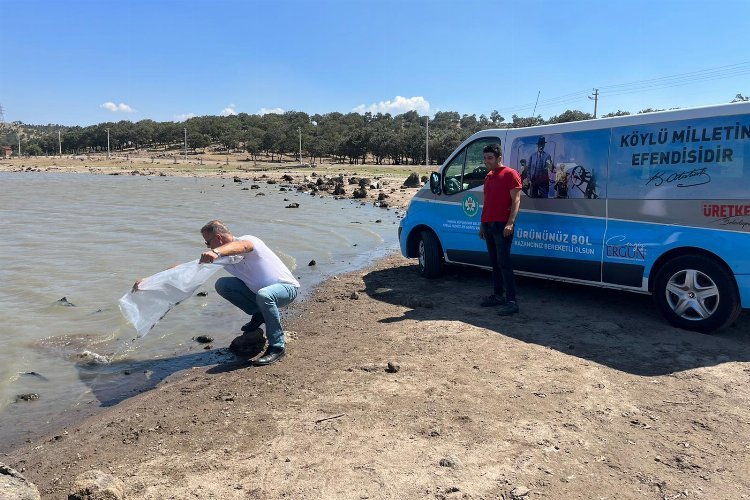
x: 694, y: 292
x: 430, y: 258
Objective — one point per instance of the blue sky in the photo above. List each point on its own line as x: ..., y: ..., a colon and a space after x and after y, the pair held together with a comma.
x: 80, y: 62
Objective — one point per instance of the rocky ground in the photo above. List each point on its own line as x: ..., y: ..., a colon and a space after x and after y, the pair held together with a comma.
x: 383, y: 185
x: 399, y: 387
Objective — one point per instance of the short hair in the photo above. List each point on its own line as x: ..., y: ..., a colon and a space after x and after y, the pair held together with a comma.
x: 494, y: 149
x: 215, y: 227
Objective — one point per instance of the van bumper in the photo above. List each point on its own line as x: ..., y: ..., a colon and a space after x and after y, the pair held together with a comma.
x: 743, y: 284
x: 402, y: 239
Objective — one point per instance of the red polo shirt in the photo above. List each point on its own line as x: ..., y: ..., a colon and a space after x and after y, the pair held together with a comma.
x: 497, y: 186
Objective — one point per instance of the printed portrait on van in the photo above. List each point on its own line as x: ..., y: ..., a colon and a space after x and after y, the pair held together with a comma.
x: 562, y: 166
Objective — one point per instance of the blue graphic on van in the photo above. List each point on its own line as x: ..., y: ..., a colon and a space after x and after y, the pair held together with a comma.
x: 540, y: 236
x: 687, y: 159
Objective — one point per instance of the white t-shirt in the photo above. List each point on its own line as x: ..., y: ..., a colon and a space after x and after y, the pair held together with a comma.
x: 260, y: 267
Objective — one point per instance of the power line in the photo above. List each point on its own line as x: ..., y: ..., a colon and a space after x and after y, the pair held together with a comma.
x: 676, y: 83
x: 663, y: 82
x: 745, y: 66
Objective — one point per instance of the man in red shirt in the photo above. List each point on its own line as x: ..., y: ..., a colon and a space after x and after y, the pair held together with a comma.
x: 502, y: 199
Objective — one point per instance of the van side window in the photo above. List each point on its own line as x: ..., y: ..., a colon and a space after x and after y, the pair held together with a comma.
x: 467, y: 170
x: 453, y: 174
x: 475, y: 171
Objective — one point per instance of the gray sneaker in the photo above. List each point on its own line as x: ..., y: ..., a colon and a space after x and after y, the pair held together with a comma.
x: 507, y: 309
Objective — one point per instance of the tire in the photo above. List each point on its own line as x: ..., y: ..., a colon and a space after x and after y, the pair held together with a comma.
x: 430, y: 256
x: 697, y: 293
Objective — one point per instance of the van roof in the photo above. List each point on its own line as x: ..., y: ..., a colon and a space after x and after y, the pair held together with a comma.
x: 623, y: 121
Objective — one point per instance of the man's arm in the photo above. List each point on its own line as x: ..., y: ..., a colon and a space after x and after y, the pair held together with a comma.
x: 236, y: 247
x: 515, y: 196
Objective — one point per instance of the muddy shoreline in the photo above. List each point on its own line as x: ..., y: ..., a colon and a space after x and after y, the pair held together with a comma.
x: 585, y: 393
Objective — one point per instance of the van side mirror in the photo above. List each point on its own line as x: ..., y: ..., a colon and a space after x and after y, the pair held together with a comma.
x: 435, y: 183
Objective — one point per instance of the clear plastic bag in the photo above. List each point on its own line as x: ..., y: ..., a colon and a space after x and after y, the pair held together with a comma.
x: 159, y: 293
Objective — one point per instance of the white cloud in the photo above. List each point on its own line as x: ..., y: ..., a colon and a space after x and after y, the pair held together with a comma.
x: 183, y: 117
x: 268, y: 111
x: 397, y: 106
x: 229, y: 110
x: 110, y: 106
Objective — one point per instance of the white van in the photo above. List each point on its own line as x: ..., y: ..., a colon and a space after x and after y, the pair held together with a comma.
x: 655, y: 203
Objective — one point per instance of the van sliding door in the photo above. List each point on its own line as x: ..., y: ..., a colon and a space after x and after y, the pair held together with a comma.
x: 560, y: 230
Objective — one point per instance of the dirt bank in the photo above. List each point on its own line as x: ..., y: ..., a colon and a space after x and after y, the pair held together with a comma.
x: 584, y: 394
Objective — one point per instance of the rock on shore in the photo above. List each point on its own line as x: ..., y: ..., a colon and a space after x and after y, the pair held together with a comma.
x: 13, y: 485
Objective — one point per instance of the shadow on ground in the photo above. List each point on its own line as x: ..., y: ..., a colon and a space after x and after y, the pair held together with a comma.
x: 621, y: 330
x: 120, y: 380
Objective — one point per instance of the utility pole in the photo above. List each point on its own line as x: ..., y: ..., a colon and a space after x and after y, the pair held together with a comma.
x: 595, y: 98
x: 427, y: 143
x: 185, y: 143
x: 108, y: 144
x: 59, y: 143
x: 299, y: 130
x: 19, y: 145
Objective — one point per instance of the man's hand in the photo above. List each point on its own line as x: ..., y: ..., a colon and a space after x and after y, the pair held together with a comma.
x: 508, y: 230
x: 208, y: 257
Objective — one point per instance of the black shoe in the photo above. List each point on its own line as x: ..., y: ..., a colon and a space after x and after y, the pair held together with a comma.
x: 508, y: 309
x: 254, y: 323
x: 492, y: 301
x: 272, y: 355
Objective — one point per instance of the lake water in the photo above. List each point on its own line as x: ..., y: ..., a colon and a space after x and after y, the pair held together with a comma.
x: 88, y: 238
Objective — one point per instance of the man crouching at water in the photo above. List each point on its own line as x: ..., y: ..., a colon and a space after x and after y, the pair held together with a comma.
x: 261, y: 283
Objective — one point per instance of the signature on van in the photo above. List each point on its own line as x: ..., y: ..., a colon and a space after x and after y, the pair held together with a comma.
x: 734, y: 221
x: 695, y: 177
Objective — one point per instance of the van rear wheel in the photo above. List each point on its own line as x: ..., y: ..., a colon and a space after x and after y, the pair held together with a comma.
x: 694, y: 292
x: 430, y: 256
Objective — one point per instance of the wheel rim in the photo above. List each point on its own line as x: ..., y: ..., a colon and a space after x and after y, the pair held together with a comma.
x: 692, y: 295
x: 421, y: 254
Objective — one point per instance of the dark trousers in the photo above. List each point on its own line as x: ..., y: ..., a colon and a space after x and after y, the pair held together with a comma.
x: 498, y: 246
x: 539, y: 187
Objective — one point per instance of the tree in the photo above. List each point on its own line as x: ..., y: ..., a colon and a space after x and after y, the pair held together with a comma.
x: 529, y: 121
x: 496, y: 118
x: 33, y: 149
x: 469, y: 124
x: 144, y: 133
x: 254, y: 141
x: 198, y: 140
x: 570, y: 116
x: 616, y: 113
x: 649, y: 110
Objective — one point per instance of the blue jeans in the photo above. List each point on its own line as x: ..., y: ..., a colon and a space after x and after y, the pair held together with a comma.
x: 267, y: 301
